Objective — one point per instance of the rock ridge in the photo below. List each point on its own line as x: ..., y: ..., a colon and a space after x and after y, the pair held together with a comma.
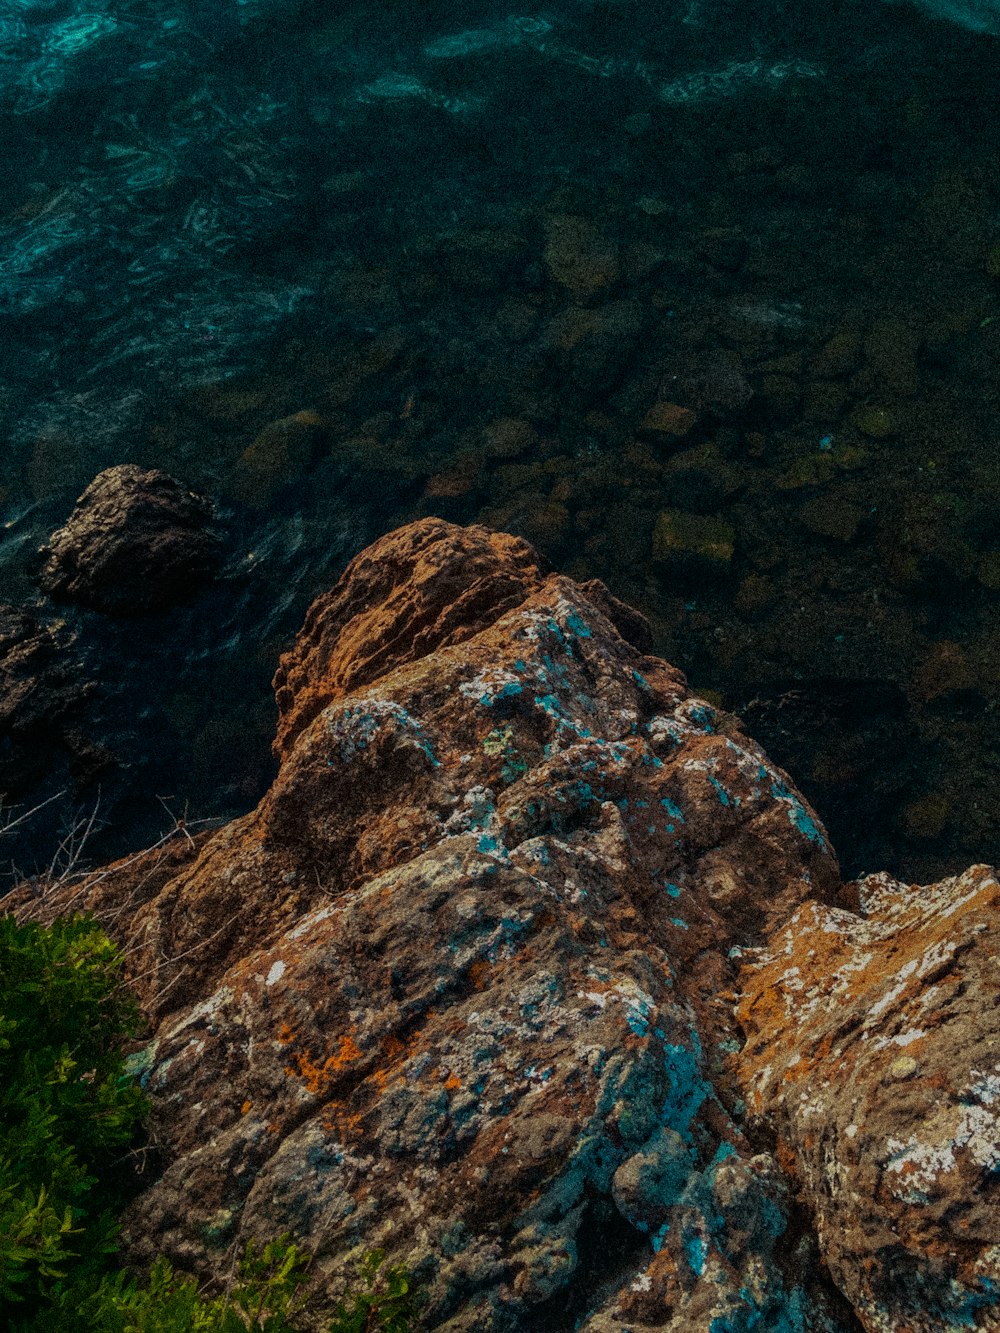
x: 534, y: 970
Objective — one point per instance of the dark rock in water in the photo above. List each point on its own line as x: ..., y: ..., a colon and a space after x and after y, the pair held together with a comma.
x: 41, y: 698
x: 136, y: 541
x: 716, y: 384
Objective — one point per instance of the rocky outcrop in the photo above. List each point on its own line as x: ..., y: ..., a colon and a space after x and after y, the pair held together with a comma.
x: 464, y: 986
x: 874, y: 1057
x: 136, y: 542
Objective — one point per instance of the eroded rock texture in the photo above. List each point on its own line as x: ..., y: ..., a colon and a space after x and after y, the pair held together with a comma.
x: 136, y: 541
x: 463, y: 985
x: 874, y: 1054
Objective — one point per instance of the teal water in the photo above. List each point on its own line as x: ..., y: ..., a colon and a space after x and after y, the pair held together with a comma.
x: 492, y: 253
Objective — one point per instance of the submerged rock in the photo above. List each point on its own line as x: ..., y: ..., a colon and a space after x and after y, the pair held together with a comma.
x: 463, y: 985
x: 136, y: 542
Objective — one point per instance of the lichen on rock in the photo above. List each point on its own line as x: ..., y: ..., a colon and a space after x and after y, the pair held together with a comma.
x: 463, y: 985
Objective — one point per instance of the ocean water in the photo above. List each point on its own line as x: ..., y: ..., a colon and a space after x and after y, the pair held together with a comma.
x: 489, y: 250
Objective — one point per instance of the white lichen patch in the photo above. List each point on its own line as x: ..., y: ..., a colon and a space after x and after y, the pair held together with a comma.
x: 491, y: 684
x: 900, y: 1039
x: 310, y: 921
x: 890, y: 997
x: 207, y: 1009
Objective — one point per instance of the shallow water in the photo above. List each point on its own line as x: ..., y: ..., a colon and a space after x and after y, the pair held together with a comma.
x: 483, y: 247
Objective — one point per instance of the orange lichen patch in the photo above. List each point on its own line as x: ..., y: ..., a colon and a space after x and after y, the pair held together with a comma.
x: 245, y: 1107
x: 396, y: 1051
x: 452, y: 1082
x: 479, y: 972
x: 786, y: 1159
x: 380, y: 1077
x: 318, y: 1077
x: 286, y: 1034
x: 338, y: 1120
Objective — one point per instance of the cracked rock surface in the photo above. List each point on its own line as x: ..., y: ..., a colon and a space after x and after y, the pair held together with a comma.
x: 532, y: 969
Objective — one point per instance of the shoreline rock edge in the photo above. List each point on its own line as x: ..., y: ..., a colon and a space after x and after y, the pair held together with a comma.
x: 532, y: 969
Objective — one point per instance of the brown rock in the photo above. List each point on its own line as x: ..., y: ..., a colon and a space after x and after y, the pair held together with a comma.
x: 702, y: 537
x: 136, y: 542
x: 463, y: 987
x: 944, y: 670
x: 891, y: 347
x: 483, y: 261
x: 509, y: 437
x: 668, y: 419
x: 837, y: 356
x: 578, y: 257
x: 279, y: 454
x: 755, y: 594
x: 832, y: 515
x: 458, y: 986
x: 872, y: 1056
x: 594, y: 347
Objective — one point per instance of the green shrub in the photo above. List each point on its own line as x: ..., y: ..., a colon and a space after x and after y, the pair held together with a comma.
x: 263, y: 1299
x: 68, y: 1113
x: 387, y: 1301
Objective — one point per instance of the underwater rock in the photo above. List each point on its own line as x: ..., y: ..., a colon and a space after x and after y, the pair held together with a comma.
x: 137, y: 541
x: 977, y: 15
x: 921, y: 543
x: 277, y: 456
x: 679, y: 536
x: 716, y: 383
x: 578, y: 257
x: 724, y: 248
x: 668, y: 419
x: 463, y: 985
x: 593, y: 347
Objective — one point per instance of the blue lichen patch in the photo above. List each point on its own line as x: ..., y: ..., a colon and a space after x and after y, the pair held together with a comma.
x: 478, y: 814
x: 500, y: 742
x: 561, y: 629
x: 353, y: 729
x: 798, y: 816
x: 140, y: 1064
x: 492, y: 687
x: 724, y: 797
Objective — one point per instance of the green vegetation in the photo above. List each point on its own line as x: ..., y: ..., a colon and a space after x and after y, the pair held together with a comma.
x: 68, y: 1115
x: 70, y: 1119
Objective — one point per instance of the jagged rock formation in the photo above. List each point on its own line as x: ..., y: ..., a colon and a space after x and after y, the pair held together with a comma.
x: 136, y: 541
x: 464, y: 986
x: 874, y: 1056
